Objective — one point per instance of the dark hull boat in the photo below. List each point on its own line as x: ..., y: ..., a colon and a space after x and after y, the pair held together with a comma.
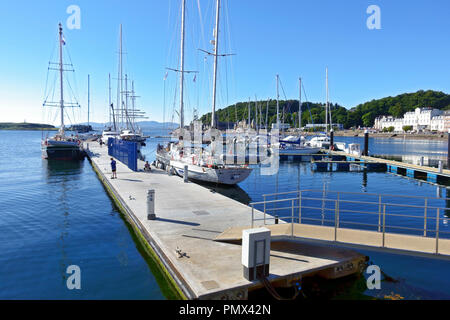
x: 62, y: 150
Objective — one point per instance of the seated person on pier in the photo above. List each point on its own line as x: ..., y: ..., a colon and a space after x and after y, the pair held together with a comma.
x: 147, y: 167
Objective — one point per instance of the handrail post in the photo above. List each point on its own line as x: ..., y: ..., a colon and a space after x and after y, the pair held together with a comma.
x: 425, y: 218
x: 437, y: 230
x: 338, y: 199
x: 384, y: 224
x: 292, y: 218
x: 300, y: 207
x: 253, y: 215
x: 336, y: 213
x: 264, y: 210
x: 379, y: 213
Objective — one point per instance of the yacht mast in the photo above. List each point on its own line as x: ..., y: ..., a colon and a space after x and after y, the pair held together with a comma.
x: 89, y: 96
x: 326, y: 107
x: 109, y: 101
x: 183, y: 15
x: 61, y: 130
x: 120, y: 77
x: 216, y: 53
x: 249, y: 116
x: 278, y: 103
x: 256, y: 113
x: 127, y: 118
x: 300, y: 104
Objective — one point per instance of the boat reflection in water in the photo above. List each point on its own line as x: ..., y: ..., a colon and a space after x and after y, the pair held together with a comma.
x: 59, y: 170
x: 231, y: 191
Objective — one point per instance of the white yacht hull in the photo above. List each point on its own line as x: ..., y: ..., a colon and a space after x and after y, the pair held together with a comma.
x: 227, y: 176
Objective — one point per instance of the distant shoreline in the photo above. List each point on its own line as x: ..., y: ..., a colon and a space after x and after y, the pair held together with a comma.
x: 403, y: 136
x: 24, y: 129
x: 10, y: 126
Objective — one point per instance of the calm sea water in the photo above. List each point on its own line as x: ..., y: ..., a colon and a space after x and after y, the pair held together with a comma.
x: 54, y: 215
x: 416, y: 278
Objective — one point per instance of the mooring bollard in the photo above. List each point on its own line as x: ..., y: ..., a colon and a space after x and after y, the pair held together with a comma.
x: 185, y: 174
x: 151, y: 205
x: 366, y: 143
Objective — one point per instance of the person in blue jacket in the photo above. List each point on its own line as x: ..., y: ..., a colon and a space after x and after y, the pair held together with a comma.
x: 113, y: 168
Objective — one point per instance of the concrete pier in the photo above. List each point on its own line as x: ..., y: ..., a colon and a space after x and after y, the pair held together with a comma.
x: 188, y: 218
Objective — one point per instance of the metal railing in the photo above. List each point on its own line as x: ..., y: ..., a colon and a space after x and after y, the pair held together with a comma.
x: 374, y: 214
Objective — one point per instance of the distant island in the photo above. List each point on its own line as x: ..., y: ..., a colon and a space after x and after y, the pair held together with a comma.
x: 26, y: 126
x: 141, y: 124
x: 362, y: 115
x: 82, y: 127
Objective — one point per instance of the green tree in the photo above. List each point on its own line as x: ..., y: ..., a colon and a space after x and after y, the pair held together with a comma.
x: 407, y: 128
x: 368, y: 119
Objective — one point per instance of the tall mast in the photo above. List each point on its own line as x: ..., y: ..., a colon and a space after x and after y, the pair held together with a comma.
x: 126, y: 101
x: 216, y: 53
x: 109, y: 101
x: 121, y: 76
x: 256, y: 113
x: 61, y: 130
x: 267, y: 113
x: 183, y: 14
x: 326, y: 107
x: 278, y: 103
x: 133, y: 99
x: 249, y: 115
x: 300, y: 104
x: 89, y: 96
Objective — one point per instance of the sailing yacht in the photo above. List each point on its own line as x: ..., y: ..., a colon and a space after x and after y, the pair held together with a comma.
x: 61, y: 147
x: 295, y: 145
x: 323, y: 141
x: 123, y: 117
x: 203, y: 165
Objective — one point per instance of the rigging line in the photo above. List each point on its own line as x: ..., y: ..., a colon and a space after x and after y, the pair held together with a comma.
x: 286, y: 100
x: 67, y: 114
x: 71, y: 90
x: 226, y: 81
x: 74, y: 74
x: 230, y: 46
x: 48, y: 69
x: 201, y: 22
x: 46, y: 86
x: 307, y: 103
x: 164, y: 104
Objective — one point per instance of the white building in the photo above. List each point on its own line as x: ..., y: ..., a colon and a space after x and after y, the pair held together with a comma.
x: 419, y: 119
x: 385, y: 122
x: 438, y: 124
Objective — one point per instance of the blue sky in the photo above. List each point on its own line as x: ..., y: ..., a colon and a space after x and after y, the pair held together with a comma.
x: 291, y: 38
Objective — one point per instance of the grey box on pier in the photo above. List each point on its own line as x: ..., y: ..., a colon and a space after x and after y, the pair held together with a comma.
x: 256, y: 253
x: 151, y: 205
